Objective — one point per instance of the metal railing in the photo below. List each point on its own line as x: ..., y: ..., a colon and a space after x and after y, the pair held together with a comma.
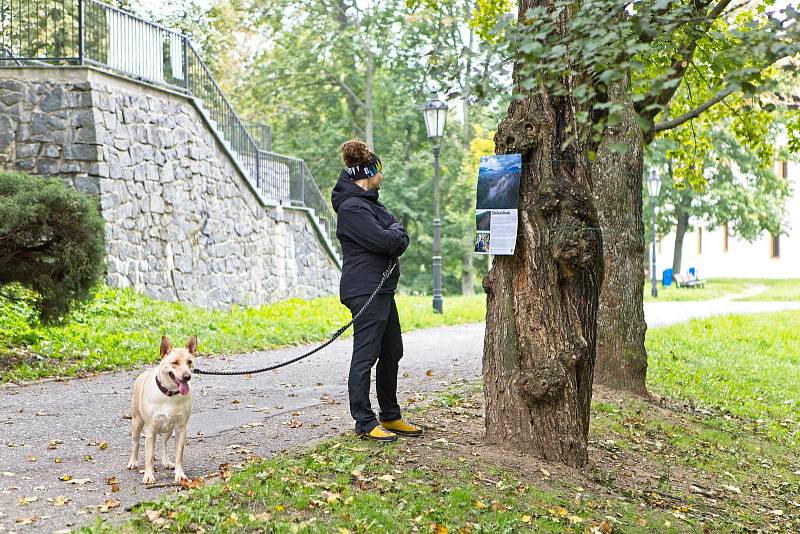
x: 88, y: 32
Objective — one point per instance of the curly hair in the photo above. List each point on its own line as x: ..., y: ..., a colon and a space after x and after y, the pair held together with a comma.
x: 355, y: 152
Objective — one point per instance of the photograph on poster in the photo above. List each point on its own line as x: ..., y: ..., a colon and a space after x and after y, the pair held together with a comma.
x: 482, y: 242
x: 498, y: 182
x: 483, y: 220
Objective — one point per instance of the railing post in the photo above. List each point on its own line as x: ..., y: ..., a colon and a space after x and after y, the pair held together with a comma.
x: 258, y: 169
x: 303, y: 183
x: 185, y: 63
x: 81, y: 29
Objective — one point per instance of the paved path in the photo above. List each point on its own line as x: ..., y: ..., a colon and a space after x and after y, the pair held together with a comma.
x: 231, y: 417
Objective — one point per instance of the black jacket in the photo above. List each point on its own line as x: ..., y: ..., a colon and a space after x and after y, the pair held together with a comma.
x: 370, y: 236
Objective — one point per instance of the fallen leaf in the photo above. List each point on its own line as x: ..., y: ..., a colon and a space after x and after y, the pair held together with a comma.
x: 32, y: 459
x: 26, y: 520
x: 479, y: 505
x: 279, y: 508
x: 330, y: 497
x: 776, y: 512
x: 65, y: 478
x: 263, y: 516
x: 103, y: 445
x: 154, y: 516
x: 23, y: 501
x: 439, y: 529
x: 79, y: 481
x: 293, y: 423
x: 57, y: 460
x: 108, y: 505
x: 386, y: 478
x: 525, y: 518
x: 732, y: 489
x: 544, y: 471
x: 194, y: 483
x: 429, y: 372
x: 60, y: 500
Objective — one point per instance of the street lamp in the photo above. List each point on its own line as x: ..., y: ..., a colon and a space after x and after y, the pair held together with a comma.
x: 653, y: 187
x: 435, y: 113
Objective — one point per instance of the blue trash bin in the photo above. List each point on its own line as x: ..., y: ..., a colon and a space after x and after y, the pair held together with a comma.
x: 666, y: 279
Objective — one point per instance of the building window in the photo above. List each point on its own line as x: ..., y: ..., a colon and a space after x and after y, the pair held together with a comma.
x: 725, y: 238
x: 776, y: 246
x: 699, y: 240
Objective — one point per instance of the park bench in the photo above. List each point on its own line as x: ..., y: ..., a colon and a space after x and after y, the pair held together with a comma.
x: 688, y: 281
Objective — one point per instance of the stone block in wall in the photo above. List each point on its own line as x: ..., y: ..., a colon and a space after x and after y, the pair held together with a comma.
x: 82, y: 152
x: 47, y: 166
x: 27, y: 150
x: 54, y: 100
x: 87, y: 184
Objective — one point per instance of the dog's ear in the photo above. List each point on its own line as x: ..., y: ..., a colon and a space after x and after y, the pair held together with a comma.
x: 192, y: 344
x: 166, y: 346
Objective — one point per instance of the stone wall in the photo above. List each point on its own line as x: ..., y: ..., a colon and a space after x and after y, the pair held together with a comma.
x: 182, y: 222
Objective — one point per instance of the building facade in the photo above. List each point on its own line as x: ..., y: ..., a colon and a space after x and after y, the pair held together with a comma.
x: 718, y: 254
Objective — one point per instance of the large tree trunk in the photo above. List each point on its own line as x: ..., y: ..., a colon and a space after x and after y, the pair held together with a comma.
x: 541, y: 302
x: 621, y: 356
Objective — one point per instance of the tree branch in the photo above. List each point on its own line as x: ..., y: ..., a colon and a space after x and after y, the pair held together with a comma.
x: 651, y: 105
x: 689, y: 115
x: 341, y: 83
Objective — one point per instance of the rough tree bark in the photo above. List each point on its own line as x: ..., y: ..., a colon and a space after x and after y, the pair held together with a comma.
x: 621, y: 356
x: 541, y: 302
x: 682, y: 216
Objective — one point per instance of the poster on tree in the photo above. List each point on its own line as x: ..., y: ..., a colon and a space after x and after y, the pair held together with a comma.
x: 497, y: 205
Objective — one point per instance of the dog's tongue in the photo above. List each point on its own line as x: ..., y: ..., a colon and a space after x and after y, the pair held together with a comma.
x: 183, y: 387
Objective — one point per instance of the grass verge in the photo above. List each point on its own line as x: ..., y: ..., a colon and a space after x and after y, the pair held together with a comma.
x: 121, y: 329
x: 702, y: 460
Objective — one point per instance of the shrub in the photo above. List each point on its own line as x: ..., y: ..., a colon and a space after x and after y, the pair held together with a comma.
x: 51, y: 240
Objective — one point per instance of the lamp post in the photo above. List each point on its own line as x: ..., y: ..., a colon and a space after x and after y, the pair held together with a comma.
x: 435, y: 114
x: 653, y: 187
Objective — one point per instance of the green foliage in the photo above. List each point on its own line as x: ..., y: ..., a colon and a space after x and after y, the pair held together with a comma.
x: 121, y: 329
x: 51, y: 240
x: 654, y: 46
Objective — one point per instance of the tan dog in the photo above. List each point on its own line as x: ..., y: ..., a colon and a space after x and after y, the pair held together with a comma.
x: 162, y: 405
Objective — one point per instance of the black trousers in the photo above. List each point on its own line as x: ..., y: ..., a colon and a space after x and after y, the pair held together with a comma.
x: 377, y: 338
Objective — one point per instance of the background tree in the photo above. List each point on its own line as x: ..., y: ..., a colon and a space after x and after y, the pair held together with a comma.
x: 722, y: 182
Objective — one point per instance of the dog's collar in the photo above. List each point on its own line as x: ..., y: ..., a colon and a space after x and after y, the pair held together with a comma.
x: 165, y: 391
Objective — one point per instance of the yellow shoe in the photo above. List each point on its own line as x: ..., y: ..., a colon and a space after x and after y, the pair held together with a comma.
x: 379, y: 434
x: 398, y: 426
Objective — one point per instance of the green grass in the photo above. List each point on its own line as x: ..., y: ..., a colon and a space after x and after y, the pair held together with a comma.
x: 728, y: 427
x: 778, y: 290
x: 121, y: 329
x: 782, y: 290
x: 745, y: 365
